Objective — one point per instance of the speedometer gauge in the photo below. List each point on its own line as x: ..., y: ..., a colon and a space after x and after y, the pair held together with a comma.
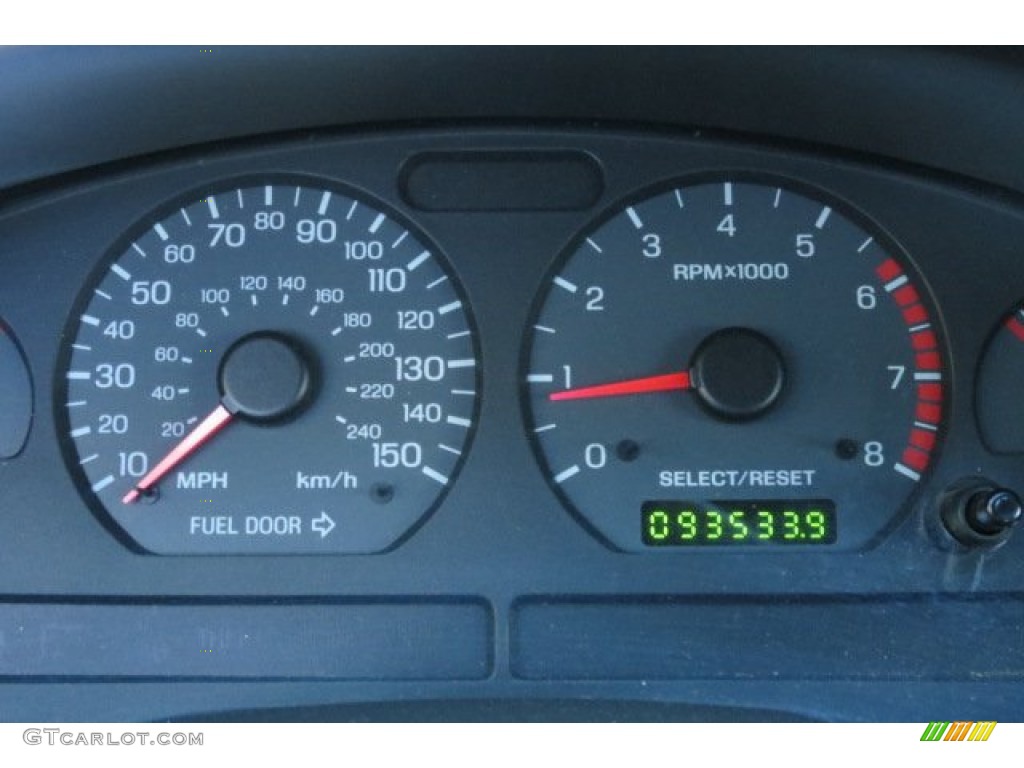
x: 281, y: 367
x: 734, y: 363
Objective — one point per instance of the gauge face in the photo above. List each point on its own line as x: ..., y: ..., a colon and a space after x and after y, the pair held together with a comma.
x: 733, y: 364
x: 999, y: 405
x: 276, y: 368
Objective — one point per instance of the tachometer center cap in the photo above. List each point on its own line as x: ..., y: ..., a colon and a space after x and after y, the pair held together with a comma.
x: 265, y: 376
x: 738, y: 374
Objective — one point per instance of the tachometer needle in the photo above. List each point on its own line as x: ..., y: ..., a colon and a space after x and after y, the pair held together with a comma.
x: 206, y: 429
x: 664, y: 383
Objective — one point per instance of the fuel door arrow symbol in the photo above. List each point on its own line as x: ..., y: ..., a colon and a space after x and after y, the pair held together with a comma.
x: 323, y: 525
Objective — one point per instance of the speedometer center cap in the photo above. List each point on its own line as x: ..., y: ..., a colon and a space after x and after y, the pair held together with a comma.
x: 265, y: 376
x: 738, y: 374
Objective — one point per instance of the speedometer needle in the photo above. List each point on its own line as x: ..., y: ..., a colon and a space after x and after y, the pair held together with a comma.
x: 207, y: 428
x: 664, y: 383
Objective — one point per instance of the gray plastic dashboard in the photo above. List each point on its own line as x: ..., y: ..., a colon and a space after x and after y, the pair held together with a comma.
x: 501, y: 605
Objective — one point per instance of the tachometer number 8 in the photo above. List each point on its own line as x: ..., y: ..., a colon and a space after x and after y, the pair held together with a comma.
x: 873, y: 454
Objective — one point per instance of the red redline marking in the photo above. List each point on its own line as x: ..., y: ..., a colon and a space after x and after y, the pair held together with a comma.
x: 924, y: 341
x: 906, y: 296
x: 889, y: 270
x: 928, y: 409
x: 928, y: 413
x: 1016, y: 327
x: 923, y: 439
x: 930, y: 392
x: 916, y: 458
x: 915, y: 315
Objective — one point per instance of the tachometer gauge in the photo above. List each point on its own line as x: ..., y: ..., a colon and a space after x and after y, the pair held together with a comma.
x: 282, y: 367
x: 734, y: 363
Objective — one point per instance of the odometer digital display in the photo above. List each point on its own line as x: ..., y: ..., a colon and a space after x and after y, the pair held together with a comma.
x: 724, y: 523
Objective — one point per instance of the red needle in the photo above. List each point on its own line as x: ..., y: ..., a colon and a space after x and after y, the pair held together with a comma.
x: 664, y: 383
x: 206, y: 429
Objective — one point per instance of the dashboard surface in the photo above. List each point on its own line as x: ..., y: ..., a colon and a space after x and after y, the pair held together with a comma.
x: 500, y: 593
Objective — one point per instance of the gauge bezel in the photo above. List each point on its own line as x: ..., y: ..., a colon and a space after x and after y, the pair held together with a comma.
x: 991, y: 339
x: 194, y: 193
x: 810, y: 190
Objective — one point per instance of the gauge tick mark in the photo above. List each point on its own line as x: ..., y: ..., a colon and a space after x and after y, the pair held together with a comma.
x: 101, y: 484
x: 437, y: 282
x: 433, y: 474
x: 411, y: 266
x: 564, y: 284
x: 565, y: 474
x: 823, y: 217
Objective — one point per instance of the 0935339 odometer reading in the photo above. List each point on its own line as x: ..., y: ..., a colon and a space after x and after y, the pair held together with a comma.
x: 274, y: 367
x: 740, y: 339
x: 721, y: 523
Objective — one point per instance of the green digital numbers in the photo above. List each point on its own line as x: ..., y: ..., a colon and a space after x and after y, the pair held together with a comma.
x: 683, y: 523
x: 715, y: 529
x: 817, y: 524
x: 790, y: 525
x: 687, y: 525
x: 658, y: 528
x: 738, y: 525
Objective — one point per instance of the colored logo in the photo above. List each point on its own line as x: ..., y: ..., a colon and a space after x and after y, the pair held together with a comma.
x: 959, y: 731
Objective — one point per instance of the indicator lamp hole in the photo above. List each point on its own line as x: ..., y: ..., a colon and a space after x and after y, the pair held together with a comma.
x: 382, y: 493
x: 627, y: 450
x: 847, y: 449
